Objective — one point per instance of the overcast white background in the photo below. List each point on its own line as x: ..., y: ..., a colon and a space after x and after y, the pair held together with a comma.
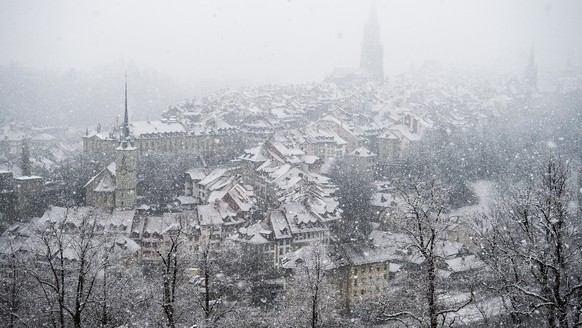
x: 283, y: 41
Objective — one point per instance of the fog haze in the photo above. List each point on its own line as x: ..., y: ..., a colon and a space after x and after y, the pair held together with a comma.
x: 290, y: 163
x: 282, y: 41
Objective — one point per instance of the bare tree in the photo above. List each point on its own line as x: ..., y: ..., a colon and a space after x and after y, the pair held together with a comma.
x: 208, y: 290
x: 121, y: 288
x: 311, y: 299
x: 426, y: 222
x: 13, y: 285
x: 66, y: 266
x: 533, y: 245
x: 169, y: 279
x: 216, y: 285
x: 170, y: 274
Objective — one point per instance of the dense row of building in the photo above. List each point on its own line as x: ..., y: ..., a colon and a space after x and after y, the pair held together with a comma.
x: 264, y: 182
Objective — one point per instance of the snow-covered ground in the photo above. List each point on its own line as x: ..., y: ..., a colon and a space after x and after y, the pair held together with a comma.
x: 478, y: 311
x: 486, y: 193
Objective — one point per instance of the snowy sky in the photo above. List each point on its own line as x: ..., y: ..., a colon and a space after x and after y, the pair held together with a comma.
x: 283, y: 41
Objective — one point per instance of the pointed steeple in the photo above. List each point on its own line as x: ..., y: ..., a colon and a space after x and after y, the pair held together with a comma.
x: 125, y: 136
x: 125, y: 166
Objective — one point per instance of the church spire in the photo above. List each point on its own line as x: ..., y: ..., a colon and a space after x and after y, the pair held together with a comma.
x: 126, y: 117
x: 372, y: 55
x: 125, y: 166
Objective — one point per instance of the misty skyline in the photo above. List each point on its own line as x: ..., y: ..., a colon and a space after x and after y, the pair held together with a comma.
x: 288, y: 41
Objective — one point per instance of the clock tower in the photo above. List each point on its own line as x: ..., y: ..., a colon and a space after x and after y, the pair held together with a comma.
x: 126, y: 166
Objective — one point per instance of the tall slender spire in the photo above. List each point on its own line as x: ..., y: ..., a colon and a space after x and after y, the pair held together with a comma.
x: 126, y: 117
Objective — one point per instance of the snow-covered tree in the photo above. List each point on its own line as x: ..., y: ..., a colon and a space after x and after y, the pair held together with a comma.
x: 68, y: 257
x: 533, y: 245
x: 426, y: 221
x: 311, y: 300
x: 216, y: 295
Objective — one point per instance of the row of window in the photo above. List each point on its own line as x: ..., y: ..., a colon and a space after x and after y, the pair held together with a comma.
x: 385, y: 276
x: 370, y: 268
x: 310, y: 235
x: 363, y: 291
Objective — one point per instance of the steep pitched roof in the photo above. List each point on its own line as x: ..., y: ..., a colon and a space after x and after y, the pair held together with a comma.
x: 110, y: 170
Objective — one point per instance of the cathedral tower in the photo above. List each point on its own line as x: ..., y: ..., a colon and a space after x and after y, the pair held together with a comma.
x: 126, y: 166
x: 372, y: 57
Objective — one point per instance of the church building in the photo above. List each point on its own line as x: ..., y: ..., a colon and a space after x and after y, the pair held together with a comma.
x: 372, y: 55
x: 114, y: 188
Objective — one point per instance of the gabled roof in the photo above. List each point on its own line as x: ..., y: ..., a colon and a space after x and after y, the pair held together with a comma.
x: 362, y: 152
x: 110, y: 169
x: 299, y: 216
x: 253, y: 234
x: 139, y: 128
x: 241, y: 197
x: 254, y: 154
x: 106, y: 184
x: 196, y: 173
x: 307, y: 255
x: 279, y: 224
x: 213, y: 176
x: 404, y: 132
x: 161, y: 224
x: 209, y: 215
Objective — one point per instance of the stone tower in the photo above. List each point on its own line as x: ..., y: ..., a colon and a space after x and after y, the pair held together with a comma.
x: 126, y: 166
x: 372, y: 57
